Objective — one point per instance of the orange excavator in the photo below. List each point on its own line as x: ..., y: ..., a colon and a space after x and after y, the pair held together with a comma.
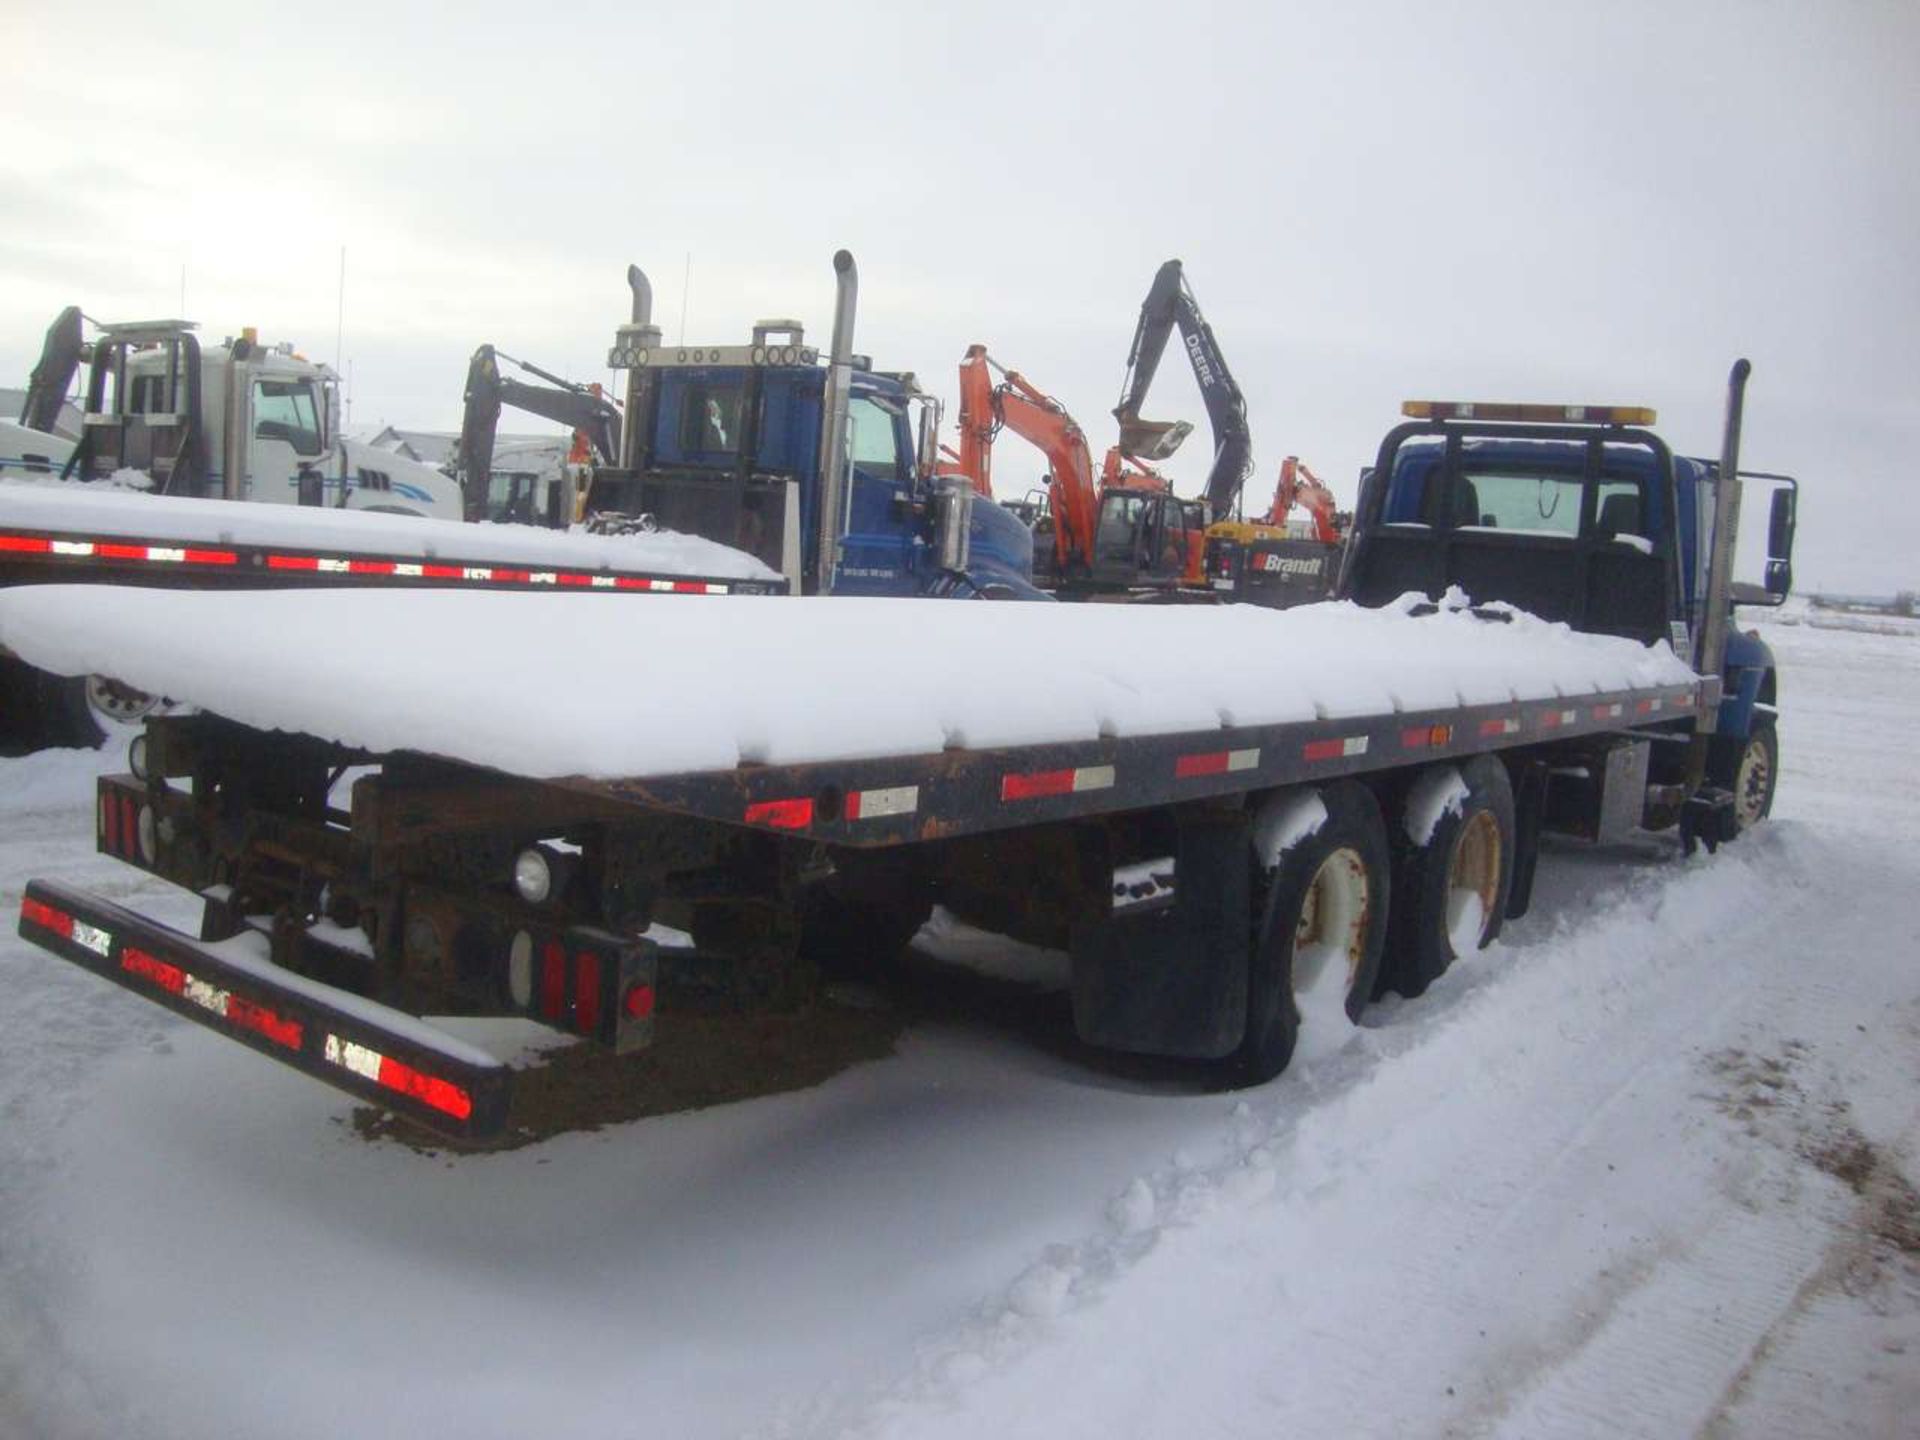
x: 1262, y: 562
x: 1300, y: 486
x: 1120, y: 532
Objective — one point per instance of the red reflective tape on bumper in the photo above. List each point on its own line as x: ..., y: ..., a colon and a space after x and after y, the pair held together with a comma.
x: 25, y: 544
x: 170, y: 978
x: 442, y: 1095
x: 46, y: 917
x: 263, y: 1021
x: 781, y: 814
x: 370, y: 567
x: 1506, y: 725
x: 401, y: 1078
x: 207, y: 557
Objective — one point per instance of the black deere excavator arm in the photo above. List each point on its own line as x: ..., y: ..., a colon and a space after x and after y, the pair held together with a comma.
x: 59, y: 359
x: 580, y: 406
x: 1170, y: 302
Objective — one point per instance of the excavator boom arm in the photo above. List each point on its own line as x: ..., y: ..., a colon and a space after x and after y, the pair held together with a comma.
x: 1041, y: 421
x: 1170, y: 302
x: 578, y: 406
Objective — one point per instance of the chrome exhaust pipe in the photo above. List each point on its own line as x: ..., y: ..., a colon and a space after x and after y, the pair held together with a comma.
x: 833, y: 423
x: 638, y: 334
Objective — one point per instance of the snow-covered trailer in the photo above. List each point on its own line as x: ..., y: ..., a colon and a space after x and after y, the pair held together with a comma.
x: 81, y: 533
x: 1214, y: 811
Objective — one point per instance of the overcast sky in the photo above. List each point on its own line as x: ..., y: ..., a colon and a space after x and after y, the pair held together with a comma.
x: 1373, y: 202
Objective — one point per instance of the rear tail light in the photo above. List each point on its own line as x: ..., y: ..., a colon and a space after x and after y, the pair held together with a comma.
x: 587, y: 982
x: 128, y: 827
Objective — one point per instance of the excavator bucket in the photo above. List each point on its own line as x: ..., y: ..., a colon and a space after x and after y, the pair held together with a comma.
x: 1152, y: 439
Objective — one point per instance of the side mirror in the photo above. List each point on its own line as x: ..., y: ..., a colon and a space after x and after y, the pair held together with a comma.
x: 927, y: 441
x: 1780, y: 526
x: 1780, y: 522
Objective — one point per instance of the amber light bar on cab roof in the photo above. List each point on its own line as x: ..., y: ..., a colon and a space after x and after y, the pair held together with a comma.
x: 1528, y: 414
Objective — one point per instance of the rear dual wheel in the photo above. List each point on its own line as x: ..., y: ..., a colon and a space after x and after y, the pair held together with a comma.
x: 1320, y: 929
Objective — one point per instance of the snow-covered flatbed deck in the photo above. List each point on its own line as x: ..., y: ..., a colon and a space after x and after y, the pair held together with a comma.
x: 556, y: 686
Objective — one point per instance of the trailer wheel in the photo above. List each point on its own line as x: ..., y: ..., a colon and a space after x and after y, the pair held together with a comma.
x: 1750, y: 768
x: 1324, y: 905
x: 1450, y: 889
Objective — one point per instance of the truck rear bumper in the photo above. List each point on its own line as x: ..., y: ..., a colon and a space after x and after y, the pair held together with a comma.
x: 372, y: 1051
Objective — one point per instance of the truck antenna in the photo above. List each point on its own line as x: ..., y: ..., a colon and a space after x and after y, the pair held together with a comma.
x: 686, y: 280
x: 340, y: 308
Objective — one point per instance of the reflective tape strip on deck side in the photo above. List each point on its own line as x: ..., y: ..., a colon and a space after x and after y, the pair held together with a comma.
x: 1334, y: 749
x: 1215, y: 762
x: 877, y: 804
x: 1040, y: 784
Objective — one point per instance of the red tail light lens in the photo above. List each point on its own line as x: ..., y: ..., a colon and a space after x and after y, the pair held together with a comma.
x: 586, y: 992
x: 638, y: 1002
x: 553, y: 980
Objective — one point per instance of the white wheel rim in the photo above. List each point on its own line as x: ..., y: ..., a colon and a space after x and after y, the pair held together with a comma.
x: 1334, y: 920
x: 116, y: 703
x: 1473, y: 880
x: 1750, y: 785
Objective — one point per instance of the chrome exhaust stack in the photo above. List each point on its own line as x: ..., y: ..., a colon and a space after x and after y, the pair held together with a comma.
x: 640, y: 334
x: 833, y: 425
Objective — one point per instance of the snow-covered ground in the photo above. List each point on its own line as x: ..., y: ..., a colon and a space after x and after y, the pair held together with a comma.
x: 1641, y: 1169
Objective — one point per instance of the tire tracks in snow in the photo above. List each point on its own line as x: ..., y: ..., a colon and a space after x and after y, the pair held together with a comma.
x: 1677, y: 1297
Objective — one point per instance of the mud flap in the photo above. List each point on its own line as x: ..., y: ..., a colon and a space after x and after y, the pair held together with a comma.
x: 1529, y: 810
x: 1171, y: 979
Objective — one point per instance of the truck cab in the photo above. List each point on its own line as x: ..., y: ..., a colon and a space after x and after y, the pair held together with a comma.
x: 237, y: 421
x: 1582, y: 514
x: 730, y: 442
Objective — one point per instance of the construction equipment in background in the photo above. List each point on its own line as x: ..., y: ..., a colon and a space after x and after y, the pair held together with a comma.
x: 1170, y: 302
x: 1265, y: 561
x: 532, y: 499
x: 1120, y: 532
x: 1300, y: 486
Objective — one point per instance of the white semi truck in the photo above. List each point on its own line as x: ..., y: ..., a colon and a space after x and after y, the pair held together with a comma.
x: 236, y: 421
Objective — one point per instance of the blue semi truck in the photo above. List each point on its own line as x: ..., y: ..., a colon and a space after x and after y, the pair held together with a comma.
x: 815, y: 462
